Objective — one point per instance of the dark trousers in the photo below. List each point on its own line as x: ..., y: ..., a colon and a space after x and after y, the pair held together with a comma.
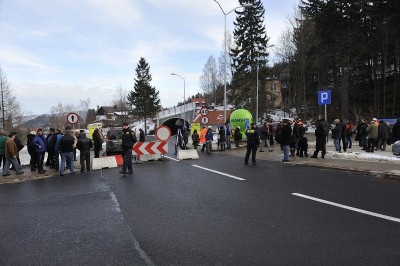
x: 320, y: 146
x: 50, y: 158
x: 371, y: 145
x: 56, y: 160
x: 85, y: 160
x: 33, y: 161
x: 253, y: 150
x: 127, y: 157
x: 40, y: 160
x: 364, y: 142
x: 97, y: 152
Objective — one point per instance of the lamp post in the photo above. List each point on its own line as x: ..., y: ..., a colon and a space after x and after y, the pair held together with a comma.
x: 258, y: 64
x: 226, y: 14
x: 184, y: 99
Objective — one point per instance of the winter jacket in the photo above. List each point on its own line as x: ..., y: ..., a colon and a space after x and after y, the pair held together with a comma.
x: 128, y: 139
x: 228, y: 130
x: 349, y: 129
x: 56, y: 141
x: 238, y: 135
x: 3, y: 140
x: 372, y: 131
x: 84, y: 144
x: 383, y: 131
x: 337, y: 131
x: 67, y: 143
x: 195, y: 138
x: 141, y: 136
x: 11, y: 148
x: 29, y: 143
x: 363, y: 129
x: 252, y: 137
x: 286, y: 135
x: 40, y: 143
x: 322, y: 129
x: 203, y: 133
x: 17, y: 141
x: 264, y: 132
x: 222, y: 135
x: 49, y: 142
x: 97, y: 139
x: 209, y: 135
x: 301, y: 130
x: 186, y: 135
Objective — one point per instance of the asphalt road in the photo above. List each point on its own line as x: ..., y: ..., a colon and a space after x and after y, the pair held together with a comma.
x: 175, y: 213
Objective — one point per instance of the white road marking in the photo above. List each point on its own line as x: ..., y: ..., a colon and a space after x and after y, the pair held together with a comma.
x: 390, y: 218
x: 220, y: 173
x: 172, y: 158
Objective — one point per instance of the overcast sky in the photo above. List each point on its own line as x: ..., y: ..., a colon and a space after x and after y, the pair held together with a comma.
x: 66, y: 50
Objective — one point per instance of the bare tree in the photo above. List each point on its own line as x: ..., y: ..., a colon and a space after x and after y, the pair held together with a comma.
x: 11, y: 114
x: 58, y: 115
x: 84, y: 106
x: 120, y: 103
x: 209, y: 81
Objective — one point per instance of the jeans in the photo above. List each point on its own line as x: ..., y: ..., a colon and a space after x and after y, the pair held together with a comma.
x: 228, y: 141
x: 15, y: 164
x: 286, y: 152
x: 64, y: 157
x: 209, y: 146
x: 348, y: 141
x: 336, y: 142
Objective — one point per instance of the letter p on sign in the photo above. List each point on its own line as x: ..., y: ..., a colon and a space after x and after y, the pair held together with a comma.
x: 324, y: 97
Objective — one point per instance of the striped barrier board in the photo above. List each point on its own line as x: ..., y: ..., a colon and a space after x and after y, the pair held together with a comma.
x: 150, y: 148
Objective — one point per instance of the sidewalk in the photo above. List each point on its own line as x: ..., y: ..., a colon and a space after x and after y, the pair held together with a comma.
x: 379, y: 163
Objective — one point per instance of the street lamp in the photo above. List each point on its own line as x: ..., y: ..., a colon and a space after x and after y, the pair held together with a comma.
x: 226, y: 14
x: 258, y: 64
x: 184, y: 99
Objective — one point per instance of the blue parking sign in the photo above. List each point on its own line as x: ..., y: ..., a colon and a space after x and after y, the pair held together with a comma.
x: 324, y: 97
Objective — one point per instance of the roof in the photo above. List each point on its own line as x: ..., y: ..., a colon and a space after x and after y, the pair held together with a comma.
x: 215, y: 117
x: 198, y: 100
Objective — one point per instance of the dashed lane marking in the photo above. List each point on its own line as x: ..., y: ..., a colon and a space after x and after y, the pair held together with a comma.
x: 218, y: 172
x: 390, y: 218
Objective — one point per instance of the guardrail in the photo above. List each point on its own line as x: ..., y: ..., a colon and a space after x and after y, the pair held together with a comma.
x: 178, y: 110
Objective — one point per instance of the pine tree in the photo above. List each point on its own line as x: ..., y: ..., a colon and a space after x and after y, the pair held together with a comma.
x: 144, y: 97
x: 9, y: 106
x: 250, y: 52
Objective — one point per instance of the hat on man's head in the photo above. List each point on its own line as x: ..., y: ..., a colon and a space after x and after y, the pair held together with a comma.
x: 374, y: 119
x: 52, y: 129
x: 32, y: 133
x: 125, y: 124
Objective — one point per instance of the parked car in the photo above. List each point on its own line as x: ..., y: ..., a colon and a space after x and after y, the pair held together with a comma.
x: 114, y: 142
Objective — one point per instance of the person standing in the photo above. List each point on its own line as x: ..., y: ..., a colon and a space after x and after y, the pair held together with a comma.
x: 40, y: 149
x: 349, y: 134
x: 185, y: 137
x: 66, y: 148
x: 142, y: 137
x: 237, y: 136
x: 11, y: 153
x: 228, y: 135
x: 128, y: 140
x: 98, y: 142
x: 203, y: 133
x: 383, y: 135
x: 364, y: 134
x: 3, y: 140
x: 321, y: 133
x: 253, y: 141
x: 195, y: 138
x: 301, y: 130
x: 84, y: 145
x: 56, y: 144
x: 50, y: 148
x: 222, y: 138
x: 20, y: 146
x: 372, y: 131
x: 337, y: 135
x: 265, y: 137
x: 285, y: 139
x: 209, y: 139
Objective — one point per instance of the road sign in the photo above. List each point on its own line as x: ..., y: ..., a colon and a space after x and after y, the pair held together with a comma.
x: 145, y: 148
x: 72, y: 118
x: 204, y: 111
x: 324, y: 97
x: 163, y: 133
x: 204, y: 120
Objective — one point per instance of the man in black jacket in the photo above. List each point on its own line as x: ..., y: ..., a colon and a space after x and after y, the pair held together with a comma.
x: 396, y: 131
x: 253, y: 141
x: 285, y: 138
x: 84, y: 145
x: 321, y: 133
x: 66, y: 148
x: 128, y: 140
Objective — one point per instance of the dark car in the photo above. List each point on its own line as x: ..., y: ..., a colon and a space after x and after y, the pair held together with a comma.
x: 114, y: 142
